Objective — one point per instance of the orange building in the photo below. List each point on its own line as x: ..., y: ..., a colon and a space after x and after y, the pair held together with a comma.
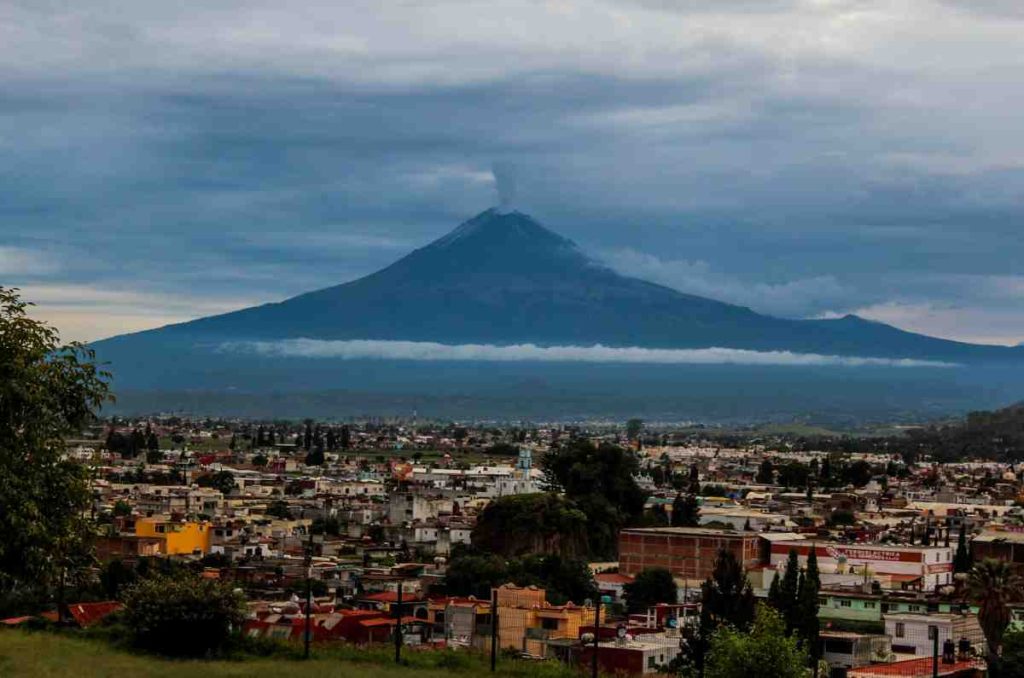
x: 179, y: 537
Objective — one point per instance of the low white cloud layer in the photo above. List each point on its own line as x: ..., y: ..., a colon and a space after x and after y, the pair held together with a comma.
x: 363, y: 349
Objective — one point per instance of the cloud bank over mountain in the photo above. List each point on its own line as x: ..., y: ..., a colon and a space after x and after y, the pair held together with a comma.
x: 433, y: 351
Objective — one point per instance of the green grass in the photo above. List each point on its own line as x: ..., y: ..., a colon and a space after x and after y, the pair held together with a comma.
x: 44, y: 654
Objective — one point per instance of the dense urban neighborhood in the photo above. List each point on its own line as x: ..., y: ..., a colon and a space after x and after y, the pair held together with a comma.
x: 622, y: 546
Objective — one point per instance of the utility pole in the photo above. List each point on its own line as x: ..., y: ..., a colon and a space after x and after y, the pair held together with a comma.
x: 398, y: 626
x: 494, y: 630
x: 934, y: 631
x: 309, y: 590
x: 597, y: 636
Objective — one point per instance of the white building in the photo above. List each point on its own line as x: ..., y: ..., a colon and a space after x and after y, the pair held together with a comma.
x: 932, y: 564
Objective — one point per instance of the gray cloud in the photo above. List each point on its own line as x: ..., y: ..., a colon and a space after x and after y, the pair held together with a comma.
x: 799, y: 157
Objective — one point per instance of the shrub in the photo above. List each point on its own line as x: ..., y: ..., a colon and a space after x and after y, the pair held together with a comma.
x: 182, y: 615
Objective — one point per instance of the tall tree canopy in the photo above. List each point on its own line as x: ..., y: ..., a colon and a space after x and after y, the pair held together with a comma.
x: 47, y: 391
x: 601, y: 482
x: 651, y: 587
x: 993, y: 586
x: 765, y: 651
x: 526, y: 524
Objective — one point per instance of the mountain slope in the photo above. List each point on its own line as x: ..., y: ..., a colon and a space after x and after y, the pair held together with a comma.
x: 505, y: 279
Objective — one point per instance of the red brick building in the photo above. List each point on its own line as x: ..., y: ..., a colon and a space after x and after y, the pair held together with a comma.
x: 686, y: 552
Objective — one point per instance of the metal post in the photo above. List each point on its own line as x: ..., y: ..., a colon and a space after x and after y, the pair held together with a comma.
x: 398, y: 626
x: 309, y: 592
x: 494, y: 630
x: 597, y: 636
x: 935, y: 651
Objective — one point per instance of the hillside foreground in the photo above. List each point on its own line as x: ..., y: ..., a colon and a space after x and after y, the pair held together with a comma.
x: 48, y: 655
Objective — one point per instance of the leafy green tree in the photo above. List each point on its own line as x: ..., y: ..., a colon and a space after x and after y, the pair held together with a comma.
x: 260, y: 460
x: 992, y: 586
x: 633, y: 428
x: 473, y: 572
x: 222, y: 481
x: 764, y: 651
x: 600, y: 483
x: 47, y: 391
x: 154, y: 456
x: 182, y: 614
x: 685, y: 511
x: 1011, y: 662
x: 526, y: 524
x: 650, y: 587
x: 122, y: 508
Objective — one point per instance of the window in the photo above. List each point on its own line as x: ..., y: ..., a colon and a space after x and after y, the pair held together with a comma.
x: 822, y: 602
x: 901, y: 630
x: 552, y: 625
x: 869, y: 604
x: 844, y: 603
x: 915, y: 608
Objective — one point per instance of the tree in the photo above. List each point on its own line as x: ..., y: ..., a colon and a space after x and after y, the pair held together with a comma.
x: 765, y: 473
x: 727, y: 596
x: 154, y: 456
x: 600, y: 482
x: 993, y: 586
x: 260, y: 460
x: 659, y: 516
x: 122, y: 508
x: 279, y: 509
x: 1011, y: 663
x: 794, y: 474
x: 963, y: 560
x: 765, y: 651
x: 47, y: 391
x: 525, y: 524
x: 685, y: 511
x: 182, y: 614
x: 222, y: 481
x: 806, y: 622
x: 633, y: 428
x: 649, y: 588
x: 694, y: 479
x: 315, y: 457
x: 115, y: 577
x: 789, y: 587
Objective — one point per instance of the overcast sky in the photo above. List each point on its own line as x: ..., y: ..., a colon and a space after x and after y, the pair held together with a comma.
x: 167, y: 160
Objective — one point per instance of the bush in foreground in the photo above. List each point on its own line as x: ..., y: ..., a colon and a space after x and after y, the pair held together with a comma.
x: 182, y: 615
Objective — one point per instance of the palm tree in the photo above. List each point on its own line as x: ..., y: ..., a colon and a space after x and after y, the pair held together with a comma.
x: 993, y: 586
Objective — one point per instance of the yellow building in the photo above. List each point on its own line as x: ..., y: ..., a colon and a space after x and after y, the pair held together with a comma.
x: 526, y: 620
x: 180, y: 538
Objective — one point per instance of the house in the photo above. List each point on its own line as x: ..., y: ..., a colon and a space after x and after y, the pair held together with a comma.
x: 912, y: 633
x: 179, y: 537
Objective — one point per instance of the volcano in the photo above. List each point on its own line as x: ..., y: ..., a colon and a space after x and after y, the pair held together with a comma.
x: 499, y: 279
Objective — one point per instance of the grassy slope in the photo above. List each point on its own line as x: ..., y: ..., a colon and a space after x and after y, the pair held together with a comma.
x: 44, y: 655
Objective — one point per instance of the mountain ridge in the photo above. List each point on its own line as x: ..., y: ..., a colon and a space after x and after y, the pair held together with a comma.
x: 503, y: 278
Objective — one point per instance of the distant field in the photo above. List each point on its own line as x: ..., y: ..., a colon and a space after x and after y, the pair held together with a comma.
x: 44, y: 655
